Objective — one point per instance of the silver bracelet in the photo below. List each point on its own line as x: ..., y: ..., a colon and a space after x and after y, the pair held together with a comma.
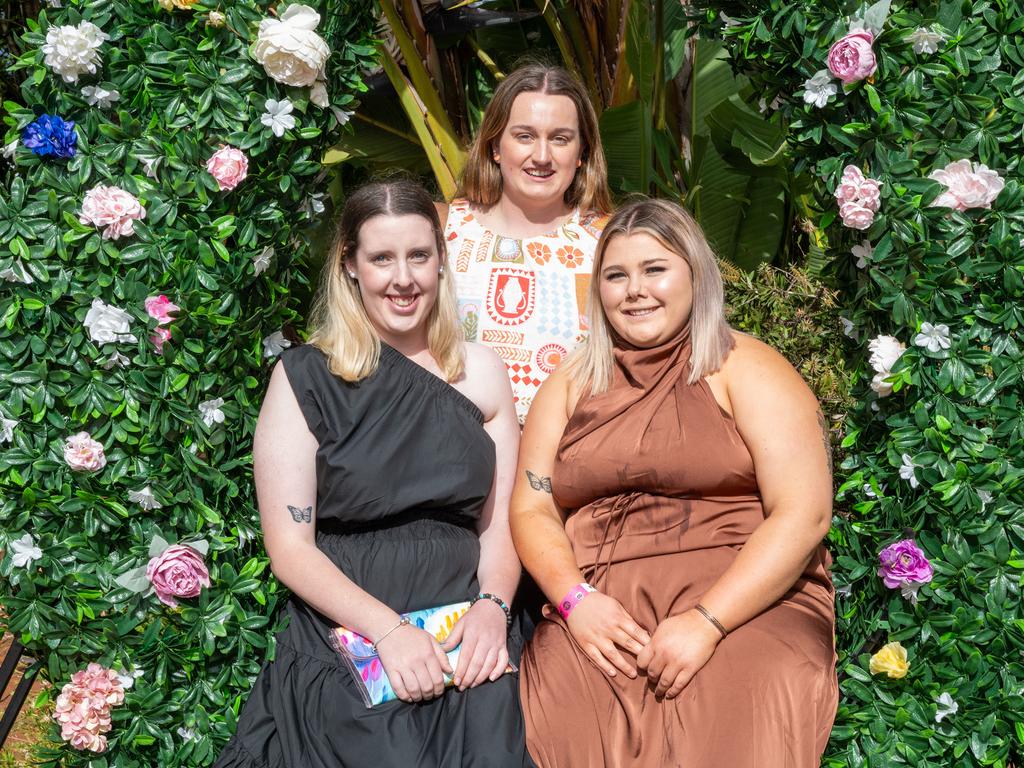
x: 404, y: 622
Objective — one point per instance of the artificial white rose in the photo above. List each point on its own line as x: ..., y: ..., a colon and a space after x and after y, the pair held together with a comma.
x: 879, y: 384
x: 288, y: 48
x: 108, y: 324
x: 72, y: 51
x: 318, y: 94
x: 885, y: 351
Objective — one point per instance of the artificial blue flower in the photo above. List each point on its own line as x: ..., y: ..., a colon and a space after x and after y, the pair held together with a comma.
x: 51, y: 135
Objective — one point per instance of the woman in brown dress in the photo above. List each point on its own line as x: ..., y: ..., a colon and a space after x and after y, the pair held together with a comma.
x: 683, y: 470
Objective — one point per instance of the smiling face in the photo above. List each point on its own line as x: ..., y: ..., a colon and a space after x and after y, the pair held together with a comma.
x: 646, y: 289
x: 539, y: 149
x: 396, y: 264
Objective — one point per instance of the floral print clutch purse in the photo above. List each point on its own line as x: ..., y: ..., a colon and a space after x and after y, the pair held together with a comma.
x: 358, y: 654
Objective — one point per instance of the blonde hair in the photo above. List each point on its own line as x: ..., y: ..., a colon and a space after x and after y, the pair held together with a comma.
x: 591, y: 366
x: 481, y: 178
x: 340, y: 327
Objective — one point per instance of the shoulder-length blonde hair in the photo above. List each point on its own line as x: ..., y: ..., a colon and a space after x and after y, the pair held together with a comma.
x: 339, y: 325
x: 710, y: 336
x: 481, y: 178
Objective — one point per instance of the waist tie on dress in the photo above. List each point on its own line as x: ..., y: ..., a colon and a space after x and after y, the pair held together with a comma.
x: 616, y: 510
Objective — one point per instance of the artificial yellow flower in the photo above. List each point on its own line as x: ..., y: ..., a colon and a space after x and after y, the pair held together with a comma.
x: 169, y: 5
x: 891, y: 659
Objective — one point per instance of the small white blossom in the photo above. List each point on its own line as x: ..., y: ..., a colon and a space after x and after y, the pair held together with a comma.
x: 945, y: 706
x: 16, y: 273
x: 986, y: 498
x: 849, y: 329
x: 863, y: 253
x: 9, y: 149
x: 211, y: 412
x: 7, y: 429
x: 55, y: 3
x: 765, y: 106
x: 845, y: 591
x: 24, y: 551
x: 907, y: 471
x: 318, y: 94
x: 127, y: 679
x: 101, y: 97
x: 925, y: 40
x: 187, y: 734
x: 107, y: 323
x: 261, y: 261
x: 819, y: 88
x: 341, y: 116
x: 216, y: 19
x: 313, y: 205
x: 275, y: 344
x: 727, y: 20
x: 116, y: 360
x: 933, y: 337
x: 150, y: 165
x: 145, y: 499
x: 869, y: 491
x: 278, y: 117
x: 909, y: 590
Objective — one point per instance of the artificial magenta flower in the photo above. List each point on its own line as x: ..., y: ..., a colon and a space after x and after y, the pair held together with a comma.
x: 852, y: 58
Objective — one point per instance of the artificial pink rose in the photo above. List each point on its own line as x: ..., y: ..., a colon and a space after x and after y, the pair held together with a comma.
x: 229, y: 166
x: 113, y: 208
x: 83, y: 454
x: 904, y: 563
x: 851, y: 58
x: 160, y: 307
x: 179, y: 571
x: 968, y: 185
x: 83, y: 707
x: 856, y: 216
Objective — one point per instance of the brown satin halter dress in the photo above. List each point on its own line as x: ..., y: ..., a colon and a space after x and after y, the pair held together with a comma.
x: 665, y: 496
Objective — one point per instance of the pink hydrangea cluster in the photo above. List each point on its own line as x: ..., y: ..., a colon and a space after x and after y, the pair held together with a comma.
x: 178, y: 571
x: 968, y: 185
x: 83, y: 707
x: 859, y: 198
x: 112, y: 208
x: 160, y: 308
x: 852, y: 58
x: 229, y: 166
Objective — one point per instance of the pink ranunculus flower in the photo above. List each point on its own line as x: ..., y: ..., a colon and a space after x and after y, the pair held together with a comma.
x: 968, y: 185
x: 160, y: 308
x: 83, y: 707
x: 852, y: 58
x: 856, y: 216
x: 904, y: 563
x: 83, y: 454
x: 229, y: 166
x: 113, y: 208
x: 179, y: 571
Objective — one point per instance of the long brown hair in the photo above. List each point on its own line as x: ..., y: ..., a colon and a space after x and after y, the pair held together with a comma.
x: 710, y: 336
x: 481, y: 178
x: 340, y: 326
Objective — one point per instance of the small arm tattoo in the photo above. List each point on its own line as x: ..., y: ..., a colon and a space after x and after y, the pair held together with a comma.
x: 539, y: 483
x: 301, y: 515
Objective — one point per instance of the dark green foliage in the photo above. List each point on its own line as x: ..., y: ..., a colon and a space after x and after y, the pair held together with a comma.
x: 957, y: 414
x: 185, y: 89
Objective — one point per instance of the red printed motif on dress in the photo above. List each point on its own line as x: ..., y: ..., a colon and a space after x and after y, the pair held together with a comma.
x: 511, y: 295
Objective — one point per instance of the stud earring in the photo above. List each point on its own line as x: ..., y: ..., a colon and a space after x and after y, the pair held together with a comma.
x: 440, y: 270
x: 496, y: 157
x: 352, y: 275
x: 579, y: 163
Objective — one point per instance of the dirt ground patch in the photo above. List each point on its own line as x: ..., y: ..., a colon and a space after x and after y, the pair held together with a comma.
x: 31, y: 726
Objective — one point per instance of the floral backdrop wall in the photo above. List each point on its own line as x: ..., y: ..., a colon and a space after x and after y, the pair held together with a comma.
x: 908, y: 118
x: 160, y: 169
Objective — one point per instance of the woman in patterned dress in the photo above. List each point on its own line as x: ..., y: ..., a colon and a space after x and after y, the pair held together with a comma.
x: 522, y: 231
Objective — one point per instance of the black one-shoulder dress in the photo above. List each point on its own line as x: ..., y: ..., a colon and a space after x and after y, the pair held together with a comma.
x: 403, y: 470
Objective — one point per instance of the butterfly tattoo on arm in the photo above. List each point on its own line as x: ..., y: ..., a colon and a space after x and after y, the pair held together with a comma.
x: 301, y: 515
x: 539, y: 483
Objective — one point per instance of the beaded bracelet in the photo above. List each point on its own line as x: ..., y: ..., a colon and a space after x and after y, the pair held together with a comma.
x: 573, y: 598
x: 497, y: 601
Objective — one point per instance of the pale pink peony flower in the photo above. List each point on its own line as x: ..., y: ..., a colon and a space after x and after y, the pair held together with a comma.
x: 113, y: 208
x: 83, y: 454
x: 968, y: 185
x: 83, y: 707
x: 851, y: 58
x: 229, y: 166
x: 160, y: 308
x: 179, y: 571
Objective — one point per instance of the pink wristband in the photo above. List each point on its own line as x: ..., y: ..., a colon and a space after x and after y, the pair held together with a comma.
x: 573, y: 597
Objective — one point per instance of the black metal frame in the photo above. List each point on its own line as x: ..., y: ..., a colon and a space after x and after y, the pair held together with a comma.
x: 20, y: 695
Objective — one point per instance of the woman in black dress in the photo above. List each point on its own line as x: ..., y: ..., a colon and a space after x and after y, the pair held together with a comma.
x: 384, y: 457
